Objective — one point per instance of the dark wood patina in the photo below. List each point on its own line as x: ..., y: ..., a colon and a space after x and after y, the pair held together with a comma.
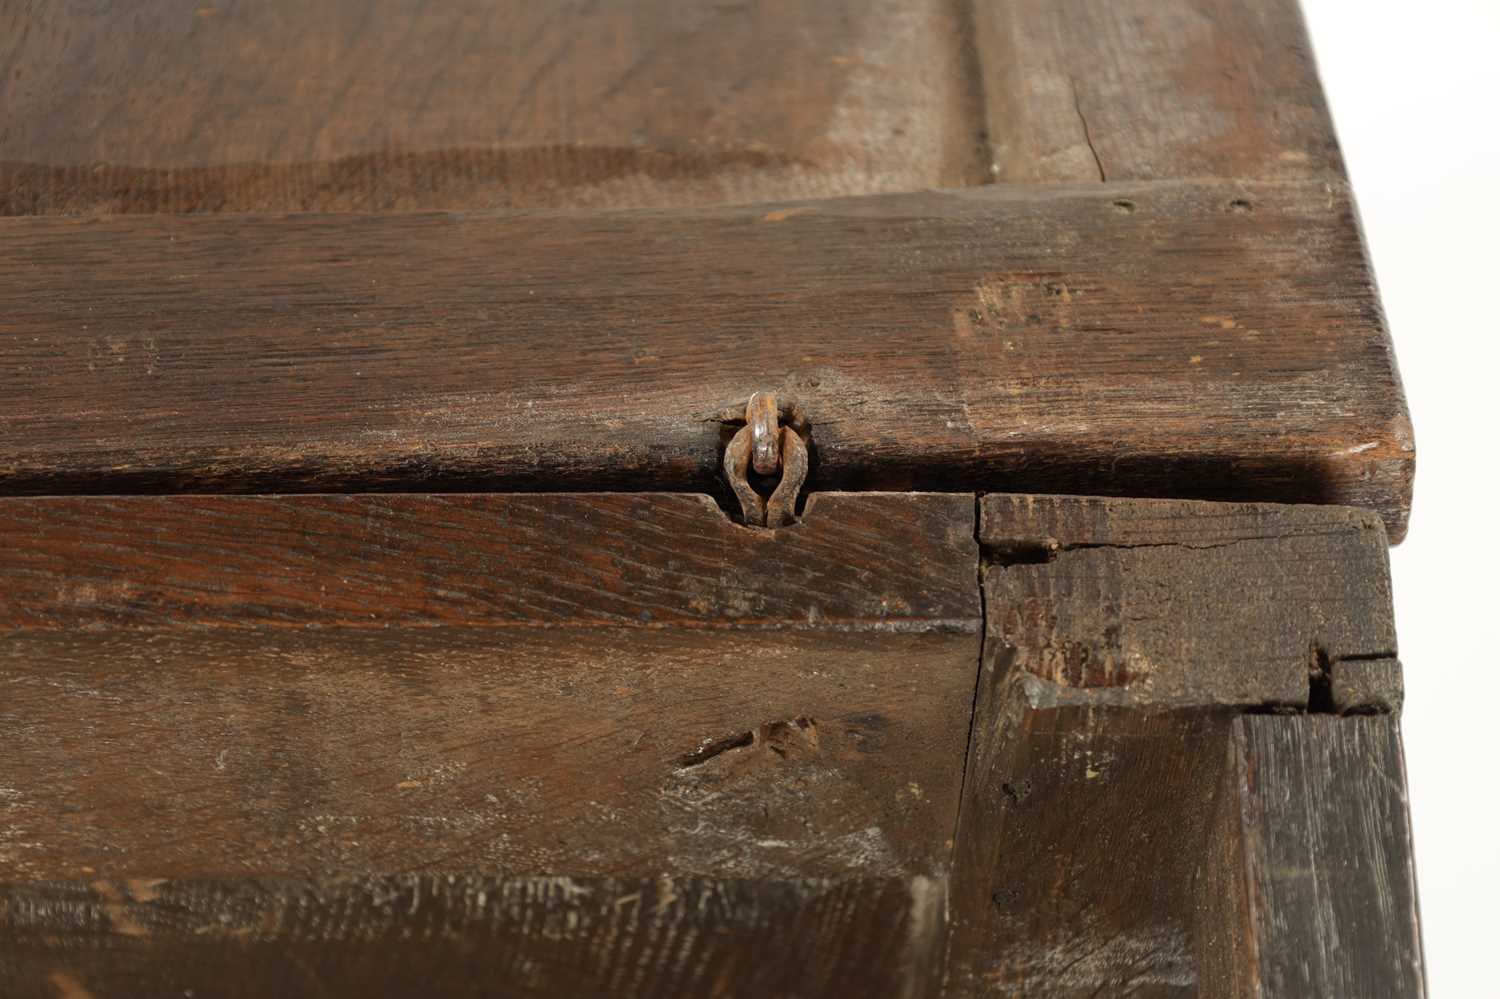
x: 376, y: 615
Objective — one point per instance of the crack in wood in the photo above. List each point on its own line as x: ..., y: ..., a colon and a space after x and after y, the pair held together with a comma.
x: 1009, y: 552
x: 776, y: 736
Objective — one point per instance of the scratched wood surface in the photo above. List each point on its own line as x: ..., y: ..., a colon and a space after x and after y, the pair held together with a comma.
x: 613, y: 685
x: 183, y: 105
x: 241, y: 727
x: 1218, y: 340
x: 416, y: 935
x: 1312, y: 890
x: 1128, y: 644
x: 813, y: 753
x: 785, y: 748
x: 281, y: 105
x: 857, y: 562
x: 1078, y: 90
x: 1260, y: 606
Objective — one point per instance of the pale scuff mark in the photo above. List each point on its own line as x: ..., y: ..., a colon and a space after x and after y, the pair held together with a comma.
x: 144, y: 889
x: 923, y: 926
x: 782, y: 214
x: 67, y: 986
x: 883, y: 96
x: 114, y: 905
x: 1095, y: 960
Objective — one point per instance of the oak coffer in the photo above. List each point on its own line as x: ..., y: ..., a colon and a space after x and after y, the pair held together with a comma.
x: 692, y: 498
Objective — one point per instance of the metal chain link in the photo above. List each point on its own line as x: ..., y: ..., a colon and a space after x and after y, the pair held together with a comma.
x: 765, y: 445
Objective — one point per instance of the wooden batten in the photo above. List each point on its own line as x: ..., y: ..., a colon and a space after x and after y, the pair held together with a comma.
x: 607, y: 685
x: 1208, y: 339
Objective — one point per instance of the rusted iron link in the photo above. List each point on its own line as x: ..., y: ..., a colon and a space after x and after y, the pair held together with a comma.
x: 764, y: 423
x: 765, y: 445
x: 781, y: 508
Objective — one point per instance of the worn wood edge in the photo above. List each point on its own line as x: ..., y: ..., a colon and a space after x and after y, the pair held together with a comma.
x: 999, y: 793
x: 1344, y: 923
x: 1367, y: 685
x: 1049, y: 523
x: 444, y: 904
x: 873, y: 205
x: 1404, y: 457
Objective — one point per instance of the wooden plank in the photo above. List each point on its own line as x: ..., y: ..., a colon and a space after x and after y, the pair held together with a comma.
x: 1145, y: 340
x: 1159, y: 603
x: 309, y: 743
x: 394, y: 104
x: 1366, y: 685
x: 1124, y: 638
x: 1077, y: 90
x: 1081, y: 833
x: 1319, y: 895
x: 626, y: 751
x: 855, y: 562
x: 378, y: 105
x: 613, y: 685
x: 471, y: 936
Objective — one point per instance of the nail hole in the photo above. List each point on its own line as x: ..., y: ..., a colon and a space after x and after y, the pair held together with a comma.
x: 1241, y: 206
x: 1124, y: 206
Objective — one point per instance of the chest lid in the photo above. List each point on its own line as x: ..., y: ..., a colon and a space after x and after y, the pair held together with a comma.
x: 1049, y: 247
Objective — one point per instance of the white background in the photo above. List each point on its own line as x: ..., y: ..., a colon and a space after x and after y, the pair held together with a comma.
x: 1415, y: 93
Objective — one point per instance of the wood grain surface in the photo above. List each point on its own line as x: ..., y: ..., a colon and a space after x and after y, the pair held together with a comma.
x: 856, y: 562
x: 613, y: 685
x: 1127, y: 642
x: 373, y: 105
x: 1215, y: 340
x: 1315, y: 891
x: 310, y: 743
x: 1082, y: 833
x: 1168, y: 603
x: 170, y: 105
x: 1081, y: 90
x: 630, y: 752
x: 462, y: 732
x: 471, y: 936
x: 372, y: 714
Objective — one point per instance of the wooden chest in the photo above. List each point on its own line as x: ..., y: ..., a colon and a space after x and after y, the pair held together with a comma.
x: 659, y: 498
